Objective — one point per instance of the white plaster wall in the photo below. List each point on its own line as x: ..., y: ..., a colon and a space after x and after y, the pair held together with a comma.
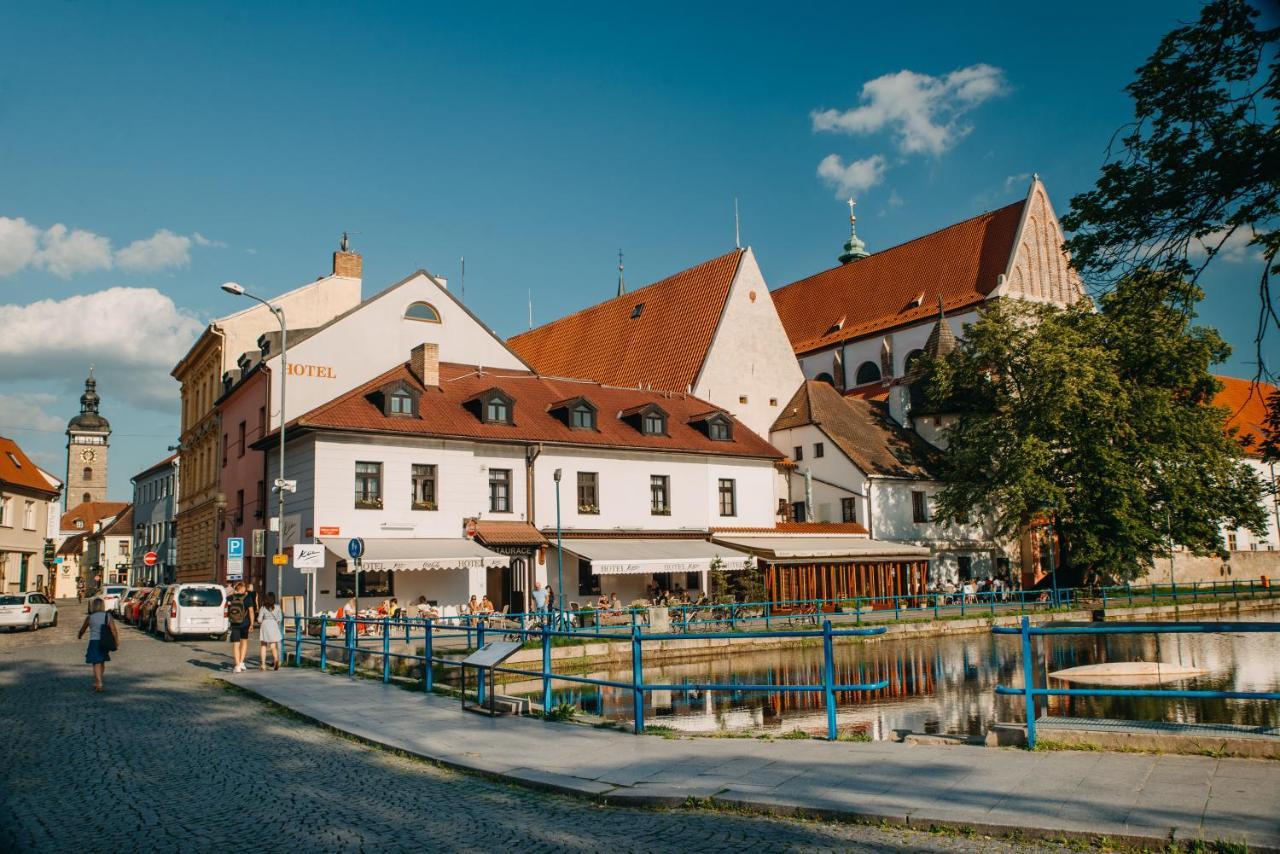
x: 307, y: 306
x: 624, y: 490
x: 376, y: 338
x: 868, y: 349
x: 750, y: 354
x: 1246, y: 540
x: 834, y: 475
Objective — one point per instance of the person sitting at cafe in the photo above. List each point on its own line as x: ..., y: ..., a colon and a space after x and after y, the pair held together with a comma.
x: 473, y: 605
x: 393, y: 608
x: 486, y: 606
x: 425, y: 609
x: 602, y: 602
x: 615, y: 604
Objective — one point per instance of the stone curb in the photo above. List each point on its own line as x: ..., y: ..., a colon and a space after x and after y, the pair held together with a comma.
x: 673, y: 796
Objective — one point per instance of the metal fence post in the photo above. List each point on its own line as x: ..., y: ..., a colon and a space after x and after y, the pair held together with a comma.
x: 768, y: 610
x: 324, y: 642
x: 993, y: 603
x: 386, y: 650
x: 481, y: 687
x: 897, y: 609
x: 353, y: 628
x: 546, y: 669
x: 1028, y: 671
x: 427, y: 667
x: 637, y: 679
x: 935, y: 605
x: 857, y: 610
x: 829, y: 679
x: 297, y: 640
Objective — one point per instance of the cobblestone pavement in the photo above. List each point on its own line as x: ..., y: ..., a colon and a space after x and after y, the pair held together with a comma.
x: 168, y: 759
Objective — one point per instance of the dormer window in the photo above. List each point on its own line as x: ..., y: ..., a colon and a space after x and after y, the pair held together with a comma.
x: 396, y: 400
x: 637, y: 311
x: 400, y: 403
x: 423, y: 311
x: 649, y: 419
x: 655, y: 424
x: 717, y: 426
x: 493, y: 407
x: 577, y: 413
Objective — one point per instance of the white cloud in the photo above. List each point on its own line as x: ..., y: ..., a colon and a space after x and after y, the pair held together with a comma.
x: 1016, y: 180
x: 923, y: 112
x: 27, y: 412
x: 160, y: 251
x: 1235, y: 250
x: 134, y: 336
x: 850, y: 179
x: 65, y: 252
x: 18, y: 242
x: 201, y: 240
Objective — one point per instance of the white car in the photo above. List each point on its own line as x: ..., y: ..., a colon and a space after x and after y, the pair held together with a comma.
x: 192, y: 609
x: 117, y: 609
x: 27, y: 610
x: 111, y: 596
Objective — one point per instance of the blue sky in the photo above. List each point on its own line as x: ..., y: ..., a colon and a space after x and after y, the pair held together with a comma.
x: 182, y: 145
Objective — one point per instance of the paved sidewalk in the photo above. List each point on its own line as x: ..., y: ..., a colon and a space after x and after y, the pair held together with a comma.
x: 1136, y: 797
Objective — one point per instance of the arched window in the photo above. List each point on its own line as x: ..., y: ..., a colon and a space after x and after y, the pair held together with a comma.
x: 912, y: 358
x: 86, y: 498
x: 422, y: 311
x: 868, y: 372
x: 826, y: 378
x: 88, y: 473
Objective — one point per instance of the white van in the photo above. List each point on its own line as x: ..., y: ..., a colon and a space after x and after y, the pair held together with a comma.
x: 192, y: 609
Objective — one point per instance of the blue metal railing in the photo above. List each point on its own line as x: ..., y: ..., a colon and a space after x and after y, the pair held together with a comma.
x: 1029, y: 692
x: 391, y: 628
x: 1250, y: 588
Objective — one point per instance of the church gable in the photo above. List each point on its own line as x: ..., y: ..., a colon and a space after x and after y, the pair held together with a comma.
x: 1039, y: 269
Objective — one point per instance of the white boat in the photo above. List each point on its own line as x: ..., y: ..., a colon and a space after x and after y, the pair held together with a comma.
x: 1128, y: 673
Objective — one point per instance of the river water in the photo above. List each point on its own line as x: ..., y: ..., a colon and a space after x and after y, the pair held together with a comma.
x: 946, y: 684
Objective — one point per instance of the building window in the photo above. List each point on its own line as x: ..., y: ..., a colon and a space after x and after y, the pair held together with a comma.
x: 728, y: 502
x: 965, y: 567
x: 240, y: 450
x: 87, y: 473
x: 497, y: 409
x: 239, y: 506
x: 719, y: 430
x: 588, y: 581
x: 910, y: 361
x: 637, y: 311
x: 29, y: 516
x: 226, y: 442
x: 401, y: 403
x: 499, y: 490
x: 583, y: 417
x: 1231, y: 541
x: 424, y: 311
x: 659, y: 495
x: 742, y: 398
x: 818, y: 450
x: 262, y: 500
x: 655, y: 424
x: 919, y: 506
x: 868, y: 372
x: 799, y: 513
x: 85, y: 498
x: 424, y: 487
x: 773, y: 401
x: 798, y: 453
x: 588, y: 492
x: 369, y: 486
x: 848, y: 510
x: 371, y: 583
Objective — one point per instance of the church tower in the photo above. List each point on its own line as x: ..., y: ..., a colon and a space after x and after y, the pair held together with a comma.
x: 88, y: 436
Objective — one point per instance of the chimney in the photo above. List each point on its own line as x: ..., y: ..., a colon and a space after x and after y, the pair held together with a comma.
x: 424, y: 360
x: 347, y: 264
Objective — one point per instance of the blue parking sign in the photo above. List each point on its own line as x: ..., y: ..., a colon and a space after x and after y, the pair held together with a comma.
x: 235, y: 547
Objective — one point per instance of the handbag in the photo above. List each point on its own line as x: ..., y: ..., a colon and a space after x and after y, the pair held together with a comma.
x: 107, y: 639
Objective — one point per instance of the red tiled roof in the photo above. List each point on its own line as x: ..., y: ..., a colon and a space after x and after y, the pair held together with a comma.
x: 1247, y: 404
x: 443, y: 413
x: 73, y: 545
x: 89, y: 513
x: 16, y: 469
x: 504, y: 533
x: 122, y: 525
x: 799, y: 528
x: 961, y: 263
x: 664, y: 347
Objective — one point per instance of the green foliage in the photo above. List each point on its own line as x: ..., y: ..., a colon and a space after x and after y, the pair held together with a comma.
x: 1270, y: 438
x: 1195, y: 174
x: 1100, y: 420
x: 562, y: 712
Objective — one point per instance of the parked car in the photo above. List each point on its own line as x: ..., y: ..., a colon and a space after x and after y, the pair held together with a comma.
x: 27, y: 610
x: 111, y: 594
x: 192, y: 609
x: 124, y: 597
x: 147, y: 609
x: 130, y: 605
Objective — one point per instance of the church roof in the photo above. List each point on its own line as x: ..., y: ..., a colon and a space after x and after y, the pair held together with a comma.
x: 17, y: 470
x: 860, y: 428
x: 657, y: 335
x: 959, y: 264
x: 1247, y: 404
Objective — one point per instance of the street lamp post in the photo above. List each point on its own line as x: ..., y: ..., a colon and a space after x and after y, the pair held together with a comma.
x: 559, y: 557
x: 237, y: 290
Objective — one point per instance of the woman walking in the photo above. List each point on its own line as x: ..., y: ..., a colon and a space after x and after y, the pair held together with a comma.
x: 98, y: 624
x: 270, y: 631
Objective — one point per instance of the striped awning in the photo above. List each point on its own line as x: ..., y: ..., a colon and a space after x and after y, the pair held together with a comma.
x: 413, y: 554
x: 638, y: 556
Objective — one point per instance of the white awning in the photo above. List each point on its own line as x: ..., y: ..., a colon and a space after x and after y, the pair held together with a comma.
x: 848, y: 547
x: 409, y: 554
x: 636, y: 557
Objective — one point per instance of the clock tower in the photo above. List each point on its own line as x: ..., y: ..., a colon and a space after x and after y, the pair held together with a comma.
x: 88, y: 435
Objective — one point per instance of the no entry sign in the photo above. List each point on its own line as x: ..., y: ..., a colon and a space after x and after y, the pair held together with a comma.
x: 150, y: 558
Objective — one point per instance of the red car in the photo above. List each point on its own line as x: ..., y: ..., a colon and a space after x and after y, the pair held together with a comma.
x: 129, y: 608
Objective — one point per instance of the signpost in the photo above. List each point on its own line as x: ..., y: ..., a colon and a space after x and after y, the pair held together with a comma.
x: 235, y: 558
x: 308, y: 557
x: 355, y: 548
x: 150, y: 558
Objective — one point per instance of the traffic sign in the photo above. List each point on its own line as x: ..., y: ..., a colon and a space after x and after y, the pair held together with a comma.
x: 279, y: 560
x: 307, y: 556
x: 235, y: 547
x: 355, y: 547
x: 150, y: 558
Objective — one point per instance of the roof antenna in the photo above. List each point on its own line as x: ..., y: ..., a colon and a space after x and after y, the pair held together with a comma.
x: 622, y: 286
x: 464, y: 278
x: 530, y: 308
x: 737, y: 231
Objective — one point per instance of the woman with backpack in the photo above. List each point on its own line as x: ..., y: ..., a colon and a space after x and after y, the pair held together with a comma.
x: 270, y: 631
x: 240, y: 620
x: 104, y: 637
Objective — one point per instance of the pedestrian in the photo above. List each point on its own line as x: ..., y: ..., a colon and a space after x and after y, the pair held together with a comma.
x: 79, y: 589
x: 539, y: 596
x: 99, y: 624
x: 240, y: 618
x: 270, y: 631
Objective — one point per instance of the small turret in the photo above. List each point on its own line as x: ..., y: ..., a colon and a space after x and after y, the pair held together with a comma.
x: 854, y: 248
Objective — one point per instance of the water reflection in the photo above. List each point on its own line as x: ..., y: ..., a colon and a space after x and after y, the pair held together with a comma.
x: 945, y: 685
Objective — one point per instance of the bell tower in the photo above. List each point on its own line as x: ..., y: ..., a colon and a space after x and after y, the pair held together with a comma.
x: 88, y: 438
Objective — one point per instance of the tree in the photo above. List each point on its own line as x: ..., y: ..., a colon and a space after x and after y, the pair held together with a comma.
x: 1101, y: 420
x: 1270, y: 438
x: 1197, y: 172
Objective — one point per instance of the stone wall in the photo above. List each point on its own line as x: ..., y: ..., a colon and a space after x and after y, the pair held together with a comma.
x: 1242, y: 566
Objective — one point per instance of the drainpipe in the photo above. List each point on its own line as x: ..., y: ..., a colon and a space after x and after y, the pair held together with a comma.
x: 808, y: 495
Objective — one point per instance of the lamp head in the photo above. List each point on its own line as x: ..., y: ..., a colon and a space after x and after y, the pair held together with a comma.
x: 233, y: 288
x: 557, y: 475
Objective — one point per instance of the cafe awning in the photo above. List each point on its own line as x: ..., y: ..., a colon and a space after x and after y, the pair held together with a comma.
x: 638, y: 556
x: 419, y: 553
x: 808, y: 548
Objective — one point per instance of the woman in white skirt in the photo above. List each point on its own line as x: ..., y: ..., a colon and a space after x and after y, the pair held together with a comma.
x: 270, y: 631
